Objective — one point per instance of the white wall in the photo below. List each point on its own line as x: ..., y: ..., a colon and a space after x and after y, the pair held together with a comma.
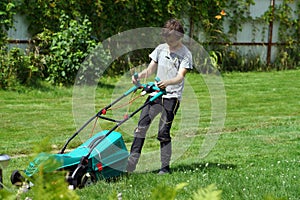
x: 19, y: 31
x: 246, y: 35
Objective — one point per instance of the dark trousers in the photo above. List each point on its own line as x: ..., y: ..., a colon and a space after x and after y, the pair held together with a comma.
x: 168, y: 109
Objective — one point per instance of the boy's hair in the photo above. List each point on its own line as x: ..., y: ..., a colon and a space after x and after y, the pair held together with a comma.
x: 173, y: 27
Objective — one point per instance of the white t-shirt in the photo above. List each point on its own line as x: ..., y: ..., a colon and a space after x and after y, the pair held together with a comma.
x: 168, y: 65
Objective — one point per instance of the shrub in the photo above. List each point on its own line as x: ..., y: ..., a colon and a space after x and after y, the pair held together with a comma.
x: 68, y: 49
x: 6, y: 19
x: 18, y: 68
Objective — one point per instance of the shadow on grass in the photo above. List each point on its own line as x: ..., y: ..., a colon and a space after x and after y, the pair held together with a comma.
x: 44, y: 86
x: 201, y: 166
x: 195, y: 166
x: 176, y: 169
x: 106, y: 85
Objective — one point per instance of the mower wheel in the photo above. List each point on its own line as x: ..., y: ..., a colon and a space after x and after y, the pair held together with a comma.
x: 87, y: 180
x: 16, y: 178
x: 73, y: 183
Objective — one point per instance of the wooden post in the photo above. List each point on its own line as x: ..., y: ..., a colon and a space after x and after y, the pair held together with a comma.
x: 270, y: 36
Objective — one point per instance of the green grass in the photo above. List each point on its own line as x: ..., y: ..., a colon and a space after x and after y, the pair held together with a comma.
x: 257, y: 154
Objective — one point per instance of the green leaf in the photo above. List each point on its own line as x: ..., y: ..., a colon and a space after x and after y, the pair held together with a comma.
x: 208, y: 193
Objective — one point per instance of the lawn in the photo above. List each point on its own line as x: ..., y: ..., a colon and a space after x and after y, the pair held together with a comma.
x: 256, y: 154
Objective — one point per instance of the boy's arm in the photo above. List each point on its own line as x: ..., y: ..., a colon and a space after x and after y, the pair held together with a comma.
x: 146, y: 72
x: 179, y: 78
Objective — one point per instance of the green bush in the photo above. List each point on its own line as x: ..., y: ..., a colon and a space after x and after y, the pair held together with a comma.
x: 18, y: 68
x: 68, y: 49
x: 232, y: 59
x: 62, y: 35
x: 6, y: 19
x: 287, y: 58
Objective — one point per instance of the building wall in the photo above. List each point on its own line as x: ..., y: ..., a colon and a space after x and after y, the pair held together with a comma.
x: 19, y: 36
x: 246, y: 35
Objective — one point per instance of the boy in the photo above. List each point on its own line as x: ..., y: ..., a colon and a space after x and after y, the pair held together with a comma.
x: 170, y: 61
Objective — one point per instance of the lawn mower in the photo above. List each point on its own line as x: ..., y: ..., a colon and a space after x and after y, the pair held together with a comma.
x: 101, y: 157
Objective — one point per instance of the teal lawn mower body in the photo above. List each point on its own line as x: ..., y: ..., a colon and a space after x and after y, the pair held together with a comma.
x: 101, y: 157
x: 106, y: 161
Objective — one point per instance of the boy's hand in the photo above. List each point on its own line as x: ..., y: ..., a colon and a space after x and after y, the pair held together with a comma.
x: 162, y: 84
x: 134, y: 79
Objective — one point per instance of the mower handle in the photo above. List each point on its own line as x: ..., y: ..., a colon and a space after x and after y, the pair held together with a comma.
x: 135, y: 87
x: 148, y: 88
x: 150, y: 85
x: 136, y: 76
x: 157, y: 79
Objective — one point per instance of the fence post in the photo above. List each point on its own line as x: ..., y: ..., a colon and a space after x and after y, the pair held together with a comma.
x: 270, y: 36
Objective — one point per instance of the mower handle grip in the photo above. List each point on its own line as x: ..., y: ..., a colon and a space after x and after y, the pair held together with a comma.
x: 136, y: 78
x: 159, y: 94
x: 135, y: 87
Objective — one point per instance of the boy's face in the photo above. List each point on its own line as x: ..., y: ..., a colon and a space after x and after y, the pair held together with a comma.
x: 173, y: 41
